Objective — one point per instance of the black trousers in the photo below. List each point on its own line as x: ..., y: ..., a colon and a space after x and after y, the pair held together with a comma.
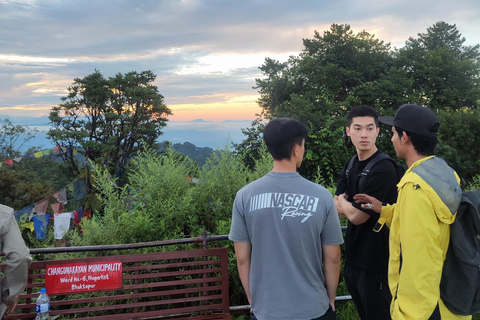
x: 329, y: 315
x: 370, y: 292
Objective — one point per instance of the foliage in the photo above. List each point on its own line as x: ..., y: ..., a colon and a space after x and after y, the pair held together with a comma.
x: 458, y: 135
x: 163, y: 200
x: 326, y: 152
x: 474, y: 184
x: 13, y: 138
x: 340, y: 69
x: 110, y: 118
x: 30, y: 181
x: 18, y: 191
x: 444, y: 73
x: 333, y: 73
x: 251, y: 147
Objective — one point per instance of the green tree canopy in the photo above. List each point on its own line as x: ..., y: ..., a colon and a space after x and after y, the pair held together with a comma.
x: 339, y: 69
x: 30, y: 181
x: 443, y: 72
x: 110, y: 119
x: 334, y: 72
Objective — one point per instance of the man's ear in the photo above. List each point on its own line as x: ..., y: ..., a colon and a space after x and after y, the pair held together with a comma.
x: 347, y: 131
x: 405, y: 138
x: 295, y: 150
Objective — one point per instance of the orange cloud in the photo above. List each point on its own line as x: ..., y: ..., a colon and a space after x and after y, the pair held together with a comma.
x: 236, y: 108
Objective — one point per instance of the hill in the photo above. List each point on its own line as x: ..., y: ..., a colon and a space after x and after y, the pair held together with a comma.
x: 198, y: 154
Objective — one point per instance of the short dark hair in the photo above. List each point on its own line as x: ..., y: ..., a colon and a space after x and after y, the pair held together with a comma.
x: 281, y: 135
x: 424, y: 145
x: 362, y: 111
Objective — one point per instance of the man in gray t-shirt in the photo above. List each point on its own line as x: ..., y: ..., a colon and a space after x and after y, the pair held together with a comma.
x: 284, y: 227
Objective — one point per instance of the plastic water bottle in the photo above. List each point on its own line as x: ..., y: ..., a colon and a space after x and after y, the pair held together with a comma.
x: 43, y: 305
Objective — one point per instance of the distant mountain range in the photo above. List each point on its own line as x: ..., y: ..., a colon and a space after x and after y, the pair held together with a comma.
x: 199, y: 132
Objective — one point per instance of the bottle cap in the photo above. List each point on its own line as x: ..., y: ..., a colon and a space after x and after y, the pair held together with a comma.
x: 43, y: 290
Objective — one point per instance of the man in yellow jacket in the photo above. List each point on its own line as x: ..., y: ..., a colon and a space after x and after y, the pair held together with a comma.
x: 428, y: 198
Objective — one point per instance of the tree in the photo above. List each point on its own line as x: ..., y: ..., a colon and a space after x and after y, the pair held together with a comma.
x: 340, y: 69
x: 110, y: 119
x: 444, y: 73
x: 333, y: 73
x: 325, y: 78
x: 30, y: 181
x: 13, y: 138
x: 458, y: 134
x: 252, y: 147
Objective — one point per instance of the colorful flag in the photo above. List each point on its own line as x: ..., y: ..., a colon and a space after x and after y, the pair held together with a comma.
x: 61, y: 224
x: 61, y: 196
x: 57, y: 208
x: 41, y: 206
x: 79, y: 189
x: 38, y: 154
x: 29, y: 225
x: 9, y: 162
x: 28, y: 212
x: 40, y: 224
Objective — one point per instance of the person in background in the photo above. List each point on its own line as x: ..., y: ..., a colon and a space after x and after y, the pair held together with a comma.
x: 17, y: 260
x: 284, y: 227
x: 428, y: 197
x: 366, y: 251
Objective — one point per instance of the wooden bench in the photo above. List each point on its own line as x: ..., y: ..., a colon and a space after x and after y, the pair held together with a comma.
x: 172, y: 285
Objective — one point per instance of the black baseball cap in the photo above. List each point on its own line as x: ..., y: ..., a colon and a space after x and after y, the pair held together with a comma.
x: 414, y: 118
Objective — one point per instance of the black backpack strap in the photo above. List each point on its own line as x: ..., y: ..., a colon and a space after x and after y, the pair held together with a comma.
x: 349, y: 168
x: 376, y: 159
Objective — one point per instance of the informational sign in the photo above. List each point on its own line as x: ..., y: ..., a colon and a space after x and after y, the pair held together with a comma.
x: 83, y: 277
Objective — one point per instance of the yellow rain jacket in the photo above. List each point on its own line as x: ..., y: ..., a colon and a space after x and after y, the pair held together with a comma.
x: 428, y: 197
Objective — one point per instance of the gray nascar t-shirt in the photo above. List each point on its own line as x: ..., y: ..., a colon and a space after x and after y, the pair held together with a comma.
x: 287, y: 219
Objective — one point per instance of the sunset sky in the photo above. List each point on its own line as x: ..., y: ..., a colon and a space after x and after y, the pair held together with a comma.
x: 205, y: 53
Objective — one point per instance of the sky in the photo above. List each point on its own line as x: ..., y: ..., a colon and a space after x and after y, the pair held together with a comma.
x: 206, y: 53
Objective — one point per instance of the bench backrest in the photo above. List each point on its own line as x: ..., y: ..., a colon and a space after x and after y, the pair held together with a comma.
x: 174, y: 283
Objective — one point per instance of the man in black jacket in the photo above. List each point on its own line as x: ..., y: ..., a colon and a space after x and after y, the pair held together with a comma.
x: 366, y: 251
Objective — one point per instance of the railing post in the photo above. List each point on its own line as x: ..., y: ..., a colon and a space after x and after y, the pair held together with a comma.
x: 204, y: 239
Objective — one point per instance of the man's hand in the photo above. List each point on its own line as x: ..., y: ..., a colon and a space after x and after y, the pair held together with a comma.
x: 331, y: 262
x: 243, y: 250
x: 11, y: 305
x: 369, y: 202
x: 339, y: 207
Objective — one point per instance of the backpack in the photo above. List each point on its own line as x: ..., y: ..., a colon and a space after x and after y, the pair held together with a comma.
x: 399, y: 168
x: 460, y: 283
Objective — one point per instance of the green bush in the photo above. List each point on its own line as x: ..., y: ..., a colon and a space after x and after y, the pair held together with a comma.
x: 168, y: 197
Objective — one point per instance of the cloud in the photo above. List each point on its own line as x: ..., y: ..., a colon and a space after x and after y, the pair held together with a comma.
x: 204, y: 52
